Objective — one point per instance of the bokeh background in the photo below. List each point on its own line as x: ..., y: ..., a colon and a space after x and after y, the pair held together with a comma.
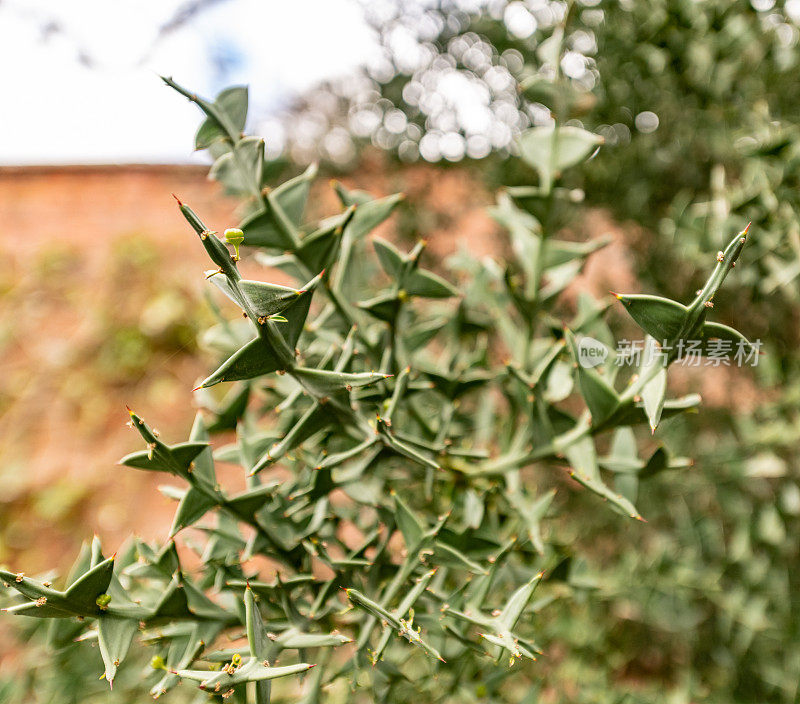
x: 103, y: 294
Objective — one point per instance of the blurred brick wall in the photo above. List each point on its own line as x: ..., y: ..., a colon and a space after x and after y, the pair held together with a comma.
x: 71, y: 277
x: 91, y: 205
x: 83, y: 249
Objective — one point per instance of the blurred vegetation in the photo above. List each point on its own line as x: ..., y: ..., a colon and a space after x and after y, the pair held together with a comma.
x: 695, y: 100
x: 104, y: 348
x: 698, y: 105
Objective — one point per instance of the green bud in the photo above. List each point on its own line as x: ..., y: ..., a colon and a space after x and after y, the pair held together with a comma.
x: 234, y: 236
x: 157, y: 663
x: 103, y: 601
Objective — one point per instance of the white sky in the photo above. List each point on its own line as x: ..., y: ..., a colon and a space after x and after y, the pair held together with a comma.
x: 54, y: 109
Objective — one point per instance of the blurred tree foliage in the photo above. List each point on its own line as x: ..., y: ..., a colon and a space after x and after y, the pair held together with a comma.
x: 697, y: 103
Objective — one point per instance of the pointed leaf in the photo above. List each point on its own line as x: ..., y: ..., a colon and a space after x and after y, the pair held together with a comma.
x: 172, y: 603
x: 160, y: 457
x: 251, y: 671
x: 192, y: 507
x: 338, y: 458
x: 448, y: 556
x: 661, y: 318
x: 560, y: 252
x: 204, y: 461
x: 248, y: 503
x: 230, y: 409
x: 313, y: 420
x: 237, y: 169
x: 384, y: 306
x: 320, y: 249
x: 231, y: 106
x: 56, y: 604
x: 372, y: 607
x: 408, y: 523
x: 600, y: 398
x: 267, y: 299
x: 654, y: 391
x: 255, y: 359
x: 256, y: 636
x: 182, y: 652
x: 295, y: 640
x: 85, y: 591
x: 389, y: 256
x: 723, y: 342
x: 322, y: 382
x: 297, y: 312
x: 525, y: 240
x: 262, y: 229
x: 416, y: 591
x: 517, y: 603
x: 532, y: 513
x: 412, y: 453
x: 31, y: 608
x: 370, y: 214
x: 185, y: 453
x: 115, y: 636
x: 552, y: 149
x: 623, y: 456
x: 583, y: 458
x: 426, y: 284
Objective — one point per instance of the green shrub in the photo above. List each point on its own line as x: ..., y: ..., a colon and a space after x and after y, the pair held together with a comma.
x: 709, y: 594
x: 387, y: 455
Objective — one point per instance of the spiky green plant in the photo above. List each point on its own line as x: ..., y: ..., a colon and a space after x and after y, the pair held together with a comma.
x: 386, y: 451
